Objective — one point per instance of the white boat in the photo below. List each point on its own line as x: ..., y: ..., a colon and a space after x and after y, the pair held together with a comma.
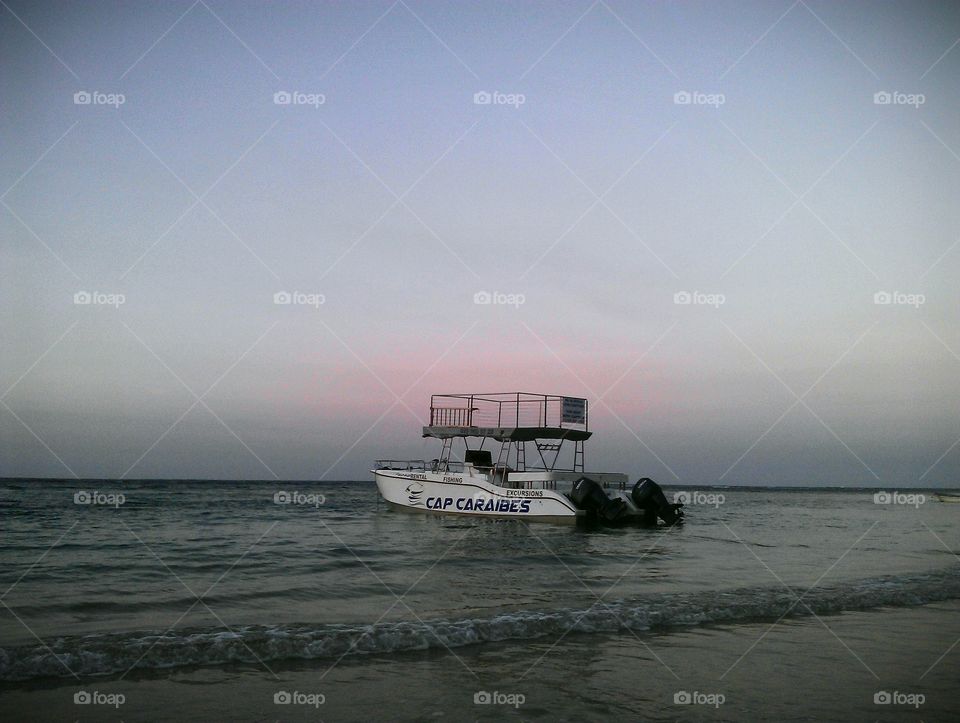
x: 551, y: 431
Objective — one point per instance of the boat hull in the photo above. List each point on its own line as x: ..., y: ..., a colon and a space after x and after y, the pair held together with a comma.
x: 467, y: 495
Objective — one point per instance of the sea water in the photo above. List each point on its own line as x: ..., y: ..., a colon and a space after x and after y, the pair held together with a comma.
x: 295, y: 600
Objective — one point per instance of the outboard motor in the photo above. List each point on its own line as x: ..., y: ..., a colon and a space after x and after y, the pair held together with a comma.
x: 647, y: 496
x: 588, y: 495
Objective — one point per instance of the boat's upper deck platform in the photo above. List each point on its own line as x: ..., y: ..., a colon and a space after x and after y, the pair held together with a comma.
x: 508, y: 434
x: 508, y: 416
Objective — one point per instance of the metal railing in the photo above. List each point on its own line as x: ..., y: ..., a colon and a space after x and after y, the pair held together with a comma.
x: 407, y: 465
x: 508, y: 409
x: 451, y: 417
x: 418, y: 465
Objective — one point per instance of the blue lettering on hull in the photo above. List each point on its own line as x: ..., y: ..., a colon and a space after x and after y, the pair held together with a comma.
x: 478, y: 504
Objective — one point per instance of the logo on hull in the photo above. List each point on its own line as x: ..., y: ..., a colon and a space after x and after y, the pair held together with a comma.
x: 414, y: 491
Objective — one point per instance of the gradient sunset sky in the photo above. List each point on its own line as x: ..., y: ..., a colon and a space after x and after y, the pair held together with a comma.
x: 784, y: 201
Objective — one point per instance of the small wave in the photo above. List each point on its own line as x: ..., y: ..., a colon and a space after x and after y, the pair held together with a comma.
x: 106, y: 654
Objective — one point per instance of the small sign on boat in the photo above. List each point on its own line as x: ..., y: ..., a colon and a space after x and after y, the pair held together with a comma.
x: 574, y: 410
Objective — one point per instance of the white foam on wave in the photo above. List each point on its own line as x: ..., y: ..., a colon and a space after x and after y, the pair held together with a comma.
x: 116, y: 653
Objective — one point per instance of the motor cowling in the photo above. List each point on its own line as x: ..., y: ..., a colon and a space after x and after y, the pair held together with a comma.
x: 589, y: 495
x: 648, y: 497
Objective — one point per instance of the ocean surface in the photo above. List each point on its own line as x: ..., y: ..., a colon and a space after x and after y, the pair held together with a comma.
x: 287, y: 601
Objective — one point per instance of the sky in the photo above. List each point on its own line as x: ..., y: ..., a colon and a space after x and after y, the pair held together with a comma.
x: 732, y: 226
